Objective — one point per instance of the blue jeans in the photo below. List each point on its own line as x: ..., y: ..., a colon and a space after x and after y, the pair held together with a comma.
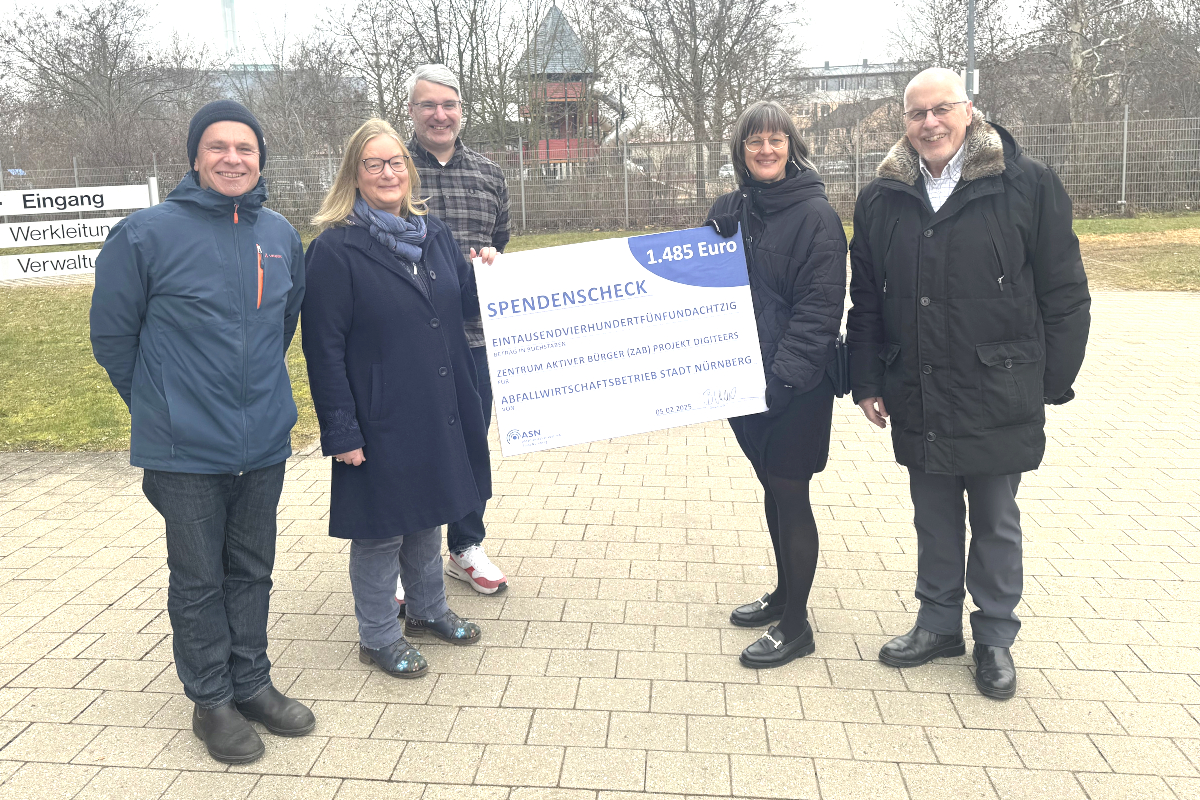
x: 469, y: 530
x: 375, y: 565
x: 220, y: 552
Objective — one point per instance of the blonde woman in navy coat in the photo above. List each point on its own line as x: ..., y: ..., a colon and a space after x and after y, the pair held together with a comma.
x: 395, y: 393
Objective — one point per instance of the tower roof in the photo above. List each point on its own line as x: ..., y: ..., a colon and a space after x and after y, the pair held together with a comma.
x: 555, y: 50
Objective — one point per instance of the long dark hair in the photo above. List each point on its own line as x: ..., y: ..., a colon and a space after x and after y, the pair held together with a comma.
x: 762, y: 117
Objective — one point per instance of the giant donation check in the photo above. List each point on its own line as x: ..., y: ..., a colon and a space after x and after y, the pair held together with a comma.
x: 621, y: 336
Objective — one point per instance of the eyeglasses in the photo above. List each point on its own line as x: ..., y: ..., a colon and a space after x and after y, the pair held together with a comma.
x: 374, y: 166
x: 450, y: 106
x: 756, y: 143
x: 939, y: 111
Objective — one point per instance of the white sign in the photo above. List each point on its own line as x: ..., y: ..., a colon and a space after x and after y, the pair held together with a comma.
x: 25, y: 202
x: 48, y: 265
x: 621, y: 336
x: 73, y: 231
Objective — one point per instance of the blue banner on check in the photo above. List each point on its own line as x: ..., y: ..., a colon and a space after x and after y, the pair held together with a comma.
x: 696, y: 257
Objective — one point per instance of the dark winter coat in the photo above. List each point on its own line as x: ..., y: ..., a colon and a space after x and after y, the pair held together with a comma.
x: 195, y: 304
x: 390, y: 372
x: 797, y: 254
x: 966, y: 321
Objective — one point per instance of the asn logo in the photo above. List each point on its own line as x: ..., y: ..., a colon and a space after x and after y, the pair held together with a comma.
x: 516, y: 436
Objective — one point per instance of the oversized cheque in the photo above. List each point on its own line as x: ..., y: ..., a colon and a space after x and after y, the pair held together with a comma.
x: 621, y: 336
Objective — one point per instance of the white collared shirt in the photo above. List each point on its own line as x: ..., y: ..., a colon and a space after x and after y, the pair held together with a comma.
x: 939, y: 189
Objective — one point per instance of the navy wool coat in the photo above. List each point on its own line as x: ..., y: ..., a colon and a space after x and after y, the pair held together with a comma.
x: 390, y: 372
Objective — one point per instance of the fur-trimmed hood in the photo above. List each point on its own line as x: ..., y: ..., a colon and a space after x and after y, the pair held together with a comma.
x: 984, y: 155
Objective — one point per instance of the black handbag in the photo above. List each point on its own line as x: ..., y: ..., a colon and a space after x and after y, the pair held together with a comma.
x: 839, y: 369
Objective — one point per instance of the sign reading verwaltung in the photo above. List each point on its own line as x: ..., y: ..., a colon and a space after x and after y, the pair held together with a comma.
x: 621, y: 336
x: 48, y: 265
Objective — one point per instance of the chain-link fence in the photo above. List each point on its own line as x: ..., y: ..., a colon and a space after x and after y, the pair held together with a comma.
x: 1108, y: 168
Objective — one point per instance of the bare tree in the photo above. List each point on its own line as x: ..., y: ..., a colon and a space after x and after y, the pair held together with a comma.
x: 92, y: 72
x: 374, y: 47
x: 303, y: 95
x: 1097, y: 42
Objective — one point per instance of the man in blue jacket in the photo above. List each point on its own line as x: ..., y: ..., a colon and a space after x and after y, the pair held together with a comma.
x: 195, y: 305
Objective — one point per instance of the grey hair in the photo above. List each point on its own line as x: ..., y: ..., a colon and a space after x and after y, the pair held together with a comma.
x: 434, y: 73
x: 762, y: 117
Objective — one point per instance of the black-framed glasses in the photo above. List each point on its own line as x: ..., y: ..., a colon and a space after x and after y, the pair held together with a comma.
x: 756, y: 143
x: 426, y: 107
x: 374, y: 166
x: 940, y: 111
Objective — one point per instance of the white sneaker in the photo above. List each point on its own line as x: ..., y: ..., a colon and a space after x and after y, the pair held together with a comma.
x: 473, y: 566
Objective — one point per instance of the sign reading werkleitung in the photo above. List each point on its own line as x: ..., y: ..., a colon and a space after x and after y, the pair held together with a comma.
x: 621, y: 336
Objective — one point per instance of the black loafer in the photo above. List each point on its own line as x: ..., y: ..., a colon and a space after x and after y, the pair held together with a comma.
x: 919, y: 646
x: 449, y: 628
x: 752, y: 615
x: 281, y: 715
x: 226, y: 734
x: 995, y: 673
x: 770, y: 650
x: 398, y: 659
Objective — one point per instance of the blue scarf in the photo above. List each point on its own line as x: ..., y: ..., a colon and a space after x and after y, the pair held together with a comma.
x: 403, y: 237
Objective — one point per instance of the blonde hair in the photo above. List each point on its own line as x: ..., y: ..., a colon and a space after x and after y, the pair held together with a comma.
x: 339, y: 202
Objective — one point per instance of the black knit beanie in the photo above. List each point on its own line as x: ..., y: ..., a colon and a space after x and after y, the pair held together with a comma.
x: 218, y: 111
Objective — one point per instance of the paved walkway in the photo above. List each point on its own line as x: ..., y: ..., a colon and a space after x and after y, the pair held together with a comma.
x: 610, y: 667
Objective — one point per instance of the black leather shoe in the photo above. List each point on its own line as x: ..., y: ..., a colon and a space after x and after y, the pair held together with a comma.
x: 757, y: 613
x: 229, y: 738
x: 919, y: 646
x: 995, y: 673
x: 770, y: 650
x: 281, y: 715
x: 398, y: 659
x: 449, y: 628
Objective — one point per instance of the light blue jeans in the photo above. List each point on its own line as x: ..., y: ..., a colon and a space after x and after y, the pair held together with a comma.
x: 375, y: 566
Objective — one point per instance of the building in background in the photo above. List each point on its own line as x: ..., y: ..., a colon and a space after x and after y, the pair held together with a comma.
x: 560, y: 109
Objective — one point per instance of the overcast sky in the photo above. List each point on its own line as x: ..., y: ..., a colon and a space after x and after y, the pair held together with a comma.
x: 838, y: 32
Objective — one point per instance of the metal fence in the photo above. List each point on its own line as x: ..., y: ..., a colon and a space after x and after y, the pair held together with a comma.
x: 1109, y: 168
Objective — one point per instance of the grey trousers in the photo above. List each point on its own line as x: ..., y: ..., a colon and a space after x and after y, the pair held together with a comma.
x: 993, y: 573
x: 375, y: 566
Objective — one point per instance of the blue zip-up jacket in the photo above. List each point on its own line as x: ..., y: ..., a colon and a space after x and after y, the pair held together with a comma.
x: 195, y: 305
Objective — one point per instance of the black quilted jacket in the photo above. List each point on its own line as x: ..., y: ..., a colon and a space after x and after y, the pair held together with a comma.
x: 797, y: 259
x: 967, y: 321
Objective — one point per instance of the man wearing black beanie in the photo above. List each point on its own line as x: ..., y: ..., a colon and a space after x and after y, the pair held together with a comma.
x: 195, y: 305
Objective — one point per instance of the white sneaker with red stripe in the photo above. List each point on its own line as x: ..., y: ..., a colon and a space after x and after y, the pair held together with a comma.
x: 474, y: 567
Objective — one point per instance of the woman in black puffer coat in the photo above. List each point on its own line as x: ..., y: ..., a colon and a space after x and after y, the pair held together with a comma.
x: 796, y: 255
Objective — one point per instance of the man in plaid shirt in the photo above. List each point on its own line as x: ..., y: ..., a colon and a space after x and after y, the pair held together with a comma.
x: 467, y: 191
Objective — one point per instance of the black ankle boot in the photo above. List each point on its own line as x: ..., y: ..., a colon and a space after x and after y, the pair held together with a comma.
x: 995, y: 673
x: 771, y: 650
x: 918, y: 646
x: 281, y: 715
x: 229, y: 738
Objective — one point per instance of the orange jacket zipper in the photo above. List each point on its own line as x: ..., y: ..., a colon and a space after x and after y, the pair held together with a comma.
x: 260, y: 275
x: 235, y: 205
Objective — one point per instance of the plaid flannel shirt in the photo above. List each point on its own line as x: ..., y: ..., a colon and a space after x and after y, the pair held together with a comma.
x: 470, y: 195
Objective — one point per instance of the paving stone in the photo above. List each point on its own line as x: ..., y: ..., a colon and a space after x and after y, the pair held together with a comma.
x: 599, y: 768
x: 523, y: 765
x: 846, y: 780
x: 940, y: 782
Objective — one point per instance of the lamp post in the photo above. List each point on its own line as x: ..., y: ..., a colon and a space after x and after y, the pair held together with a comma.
x: 970, y: 81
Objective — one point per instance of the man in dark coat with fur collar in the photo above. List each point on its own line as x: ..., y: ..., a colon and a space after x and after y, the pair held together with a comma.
x: 970, y: 314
